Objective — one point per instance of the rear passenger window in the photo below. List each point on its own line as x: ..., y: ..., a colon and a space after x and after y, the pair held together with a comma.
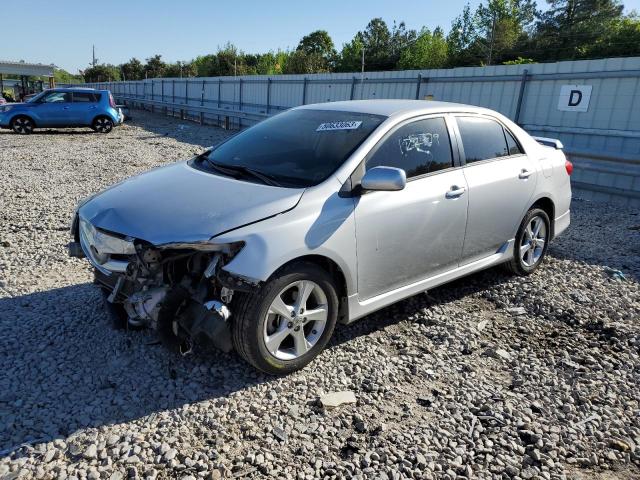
x: 514, y: 148
x: 418, y: 148
x: 83, y: 97
x: 482, y: 139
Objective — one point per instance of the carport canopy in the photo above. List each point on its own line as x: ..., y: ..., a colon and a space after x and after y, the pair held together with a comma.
x: 26, y: 69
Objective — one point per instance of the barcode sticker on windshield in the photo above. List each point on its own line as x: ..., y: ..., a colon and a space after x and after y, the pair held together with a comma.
x: 349, y: 125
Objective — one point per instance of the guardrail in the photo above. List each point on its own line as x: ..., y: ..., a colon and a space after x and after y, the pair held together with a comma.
x: 184, y: 109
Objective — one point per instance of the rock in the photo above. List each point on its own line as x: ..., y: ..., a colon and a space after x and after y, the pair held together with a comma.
x: 171, y: 454
x: 336, y: 399
x: 517, y: 311
x: 621, y: 445
x: 280, y: 434
x: 91, y: 452
x: 499, y: 353
x: 482, y: 325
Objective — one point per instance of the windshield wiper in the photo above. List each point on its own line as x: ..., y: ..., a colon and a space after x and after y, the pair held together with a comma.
x: 245, y: 171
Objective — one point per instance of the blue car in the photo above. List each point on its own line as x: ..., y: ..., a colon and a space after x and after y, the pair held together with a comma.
x: 63, y: 107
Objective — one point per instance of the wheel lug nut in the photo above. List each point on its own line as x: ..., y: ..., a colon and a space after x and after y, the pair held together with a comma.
x: 290, y: 324
x: 296, y: 329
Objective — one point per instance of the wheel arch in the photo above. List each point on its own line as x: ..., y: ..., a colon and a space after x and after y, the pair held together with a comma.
x: 546, y: 203
x: 101, y: 115
x: 22, y: 114
x: 336, y: 273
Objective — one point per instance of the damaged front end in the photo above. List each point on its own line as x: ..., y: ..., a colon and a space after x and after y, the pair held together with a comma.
x: 179, y: 290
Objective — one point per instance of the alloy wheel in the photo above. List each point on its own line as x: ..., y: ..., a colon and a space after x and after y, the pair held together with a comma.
x: 103, y: 125
x: 296, y: 320
x: 22, y: 125
x: 533, y: 242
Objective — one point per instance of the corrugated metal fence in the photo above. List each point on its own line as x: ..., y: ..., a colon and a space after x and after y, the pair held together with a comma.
x: 601, y: 135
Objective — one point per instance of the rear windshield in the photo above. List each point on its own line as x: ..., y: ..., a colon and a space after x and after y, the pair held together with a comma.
x: 298, y: 148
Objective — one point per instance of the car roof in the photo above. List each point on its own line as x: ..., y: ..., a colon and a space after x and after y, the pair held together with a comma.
x: 391, y: 108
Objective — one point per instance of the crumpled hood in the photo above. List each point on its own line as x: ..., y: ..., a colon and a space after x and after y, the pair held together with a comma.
x: 178, y: 203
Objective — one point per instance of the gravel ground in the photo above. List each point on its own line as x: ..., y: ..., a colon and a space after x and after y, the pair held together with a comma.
x: 490, y: 377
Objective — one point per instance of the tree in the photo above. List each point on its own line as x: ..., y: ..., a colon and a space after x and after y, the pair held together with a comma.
x: 132, y: 70
x: 319, y: 50
x: 155, y: 67
x: 401, y: 39
x: 429, y: 50
x: 62, y: 76
x: 350, y: 55
x: 180, y: 69
x: 102, y: 73
x: 461, y: 41
x: 501, y: 25
x: 570, y: 28
x: 376, y: 39
x: 622, y: 38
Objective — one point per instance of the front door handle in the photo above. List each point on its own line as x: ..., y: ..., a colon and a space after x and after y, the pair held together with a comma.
x: 455, y: 192
x: 524, y: 174
x: 65, y: 108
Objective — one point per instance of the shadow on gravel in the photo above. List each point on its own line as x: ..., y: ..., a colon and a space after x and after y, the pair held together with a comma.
x: 442, y: 295
x: 65, y: 132
x: 65, y: 368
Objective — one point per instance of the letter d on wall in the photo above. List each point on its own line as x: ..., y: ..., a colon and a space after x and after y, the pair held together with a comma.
x: 574, y: 98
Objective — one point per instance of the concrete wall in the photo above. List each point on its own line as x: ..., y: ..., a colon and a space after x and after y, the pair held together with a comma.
x: 603, y: 141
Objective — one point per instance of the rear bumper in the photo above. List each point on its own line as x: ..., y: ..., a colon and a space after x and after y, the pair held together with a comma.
x: 561, y: 223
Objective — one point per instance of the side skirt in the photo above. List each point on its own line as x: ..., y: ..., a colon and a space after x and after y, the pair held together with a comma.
x: 358, y: 309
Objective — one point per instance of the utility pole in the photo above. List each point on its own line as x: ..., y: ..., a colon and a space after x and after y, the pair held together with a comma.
x: 94, y: 61
x: 362, y: 76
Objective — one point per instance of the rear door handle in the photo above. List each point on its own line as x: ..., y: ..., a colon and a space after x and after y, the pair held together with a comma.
x: 65, y: 108
x: 455, y: 192
x: 524, y: 174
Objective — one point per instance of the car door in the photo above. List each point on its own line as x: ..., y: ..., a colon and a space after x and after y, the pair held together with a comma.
x: 501, y: 181
x: 53, y: 108
x: 408, y: 235
x: 83, y: 108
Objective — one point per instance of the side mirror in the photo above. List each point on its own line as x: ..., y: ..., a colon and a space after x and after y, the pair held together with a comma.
x: 384, y: 179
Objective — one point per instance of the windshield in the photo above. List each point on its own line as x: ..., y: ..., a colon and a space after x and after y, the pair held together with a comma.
x: 37, y: 97
x: 297, y: 148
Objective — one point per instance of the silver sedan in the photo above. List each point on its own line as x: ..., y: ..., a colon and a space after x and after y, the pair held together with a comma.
x: 319, y: 215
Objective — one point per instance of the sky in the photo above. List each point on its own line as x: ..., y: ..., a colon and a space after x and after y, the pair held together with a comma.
x: 63, y: 34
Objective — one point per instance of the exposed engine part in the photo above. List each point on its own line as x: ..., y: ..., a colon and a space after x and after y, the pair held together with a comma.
x: 210, y: 320
x: 219, y: 308
x: 116, y: 290
x: 143, y: 307
x: 212, y: 267
x: 236, y: 282
x: 177, y: 291
x: 226, y: 295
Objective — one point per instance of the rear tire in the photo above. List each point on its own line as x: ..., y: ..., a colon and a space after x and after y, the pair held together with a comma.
x: 22, y: 125
x: 280, y: 343
x: 102, y: 124
x: 532, y: 241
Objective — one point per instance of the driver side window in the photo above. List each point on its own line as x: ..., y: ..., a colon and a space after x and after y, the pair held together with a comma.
x: 57, y: 97
x: 419, y: 148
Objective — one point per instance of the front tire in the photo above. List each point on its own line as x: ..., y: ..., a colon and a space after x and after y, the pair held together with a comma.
x: 103, y: 125
x: 532, y: 241
x: 22, y: 125
x: 286, y: 323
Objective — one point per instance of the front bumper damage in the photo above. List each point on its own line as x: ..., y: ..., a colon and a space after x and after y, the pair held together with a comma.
x: 179, y: 290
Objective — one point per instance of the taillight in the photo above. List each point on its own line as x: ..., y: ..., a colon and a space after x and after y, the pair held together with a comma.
x: 112, y: 102
x: 569, y: 166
